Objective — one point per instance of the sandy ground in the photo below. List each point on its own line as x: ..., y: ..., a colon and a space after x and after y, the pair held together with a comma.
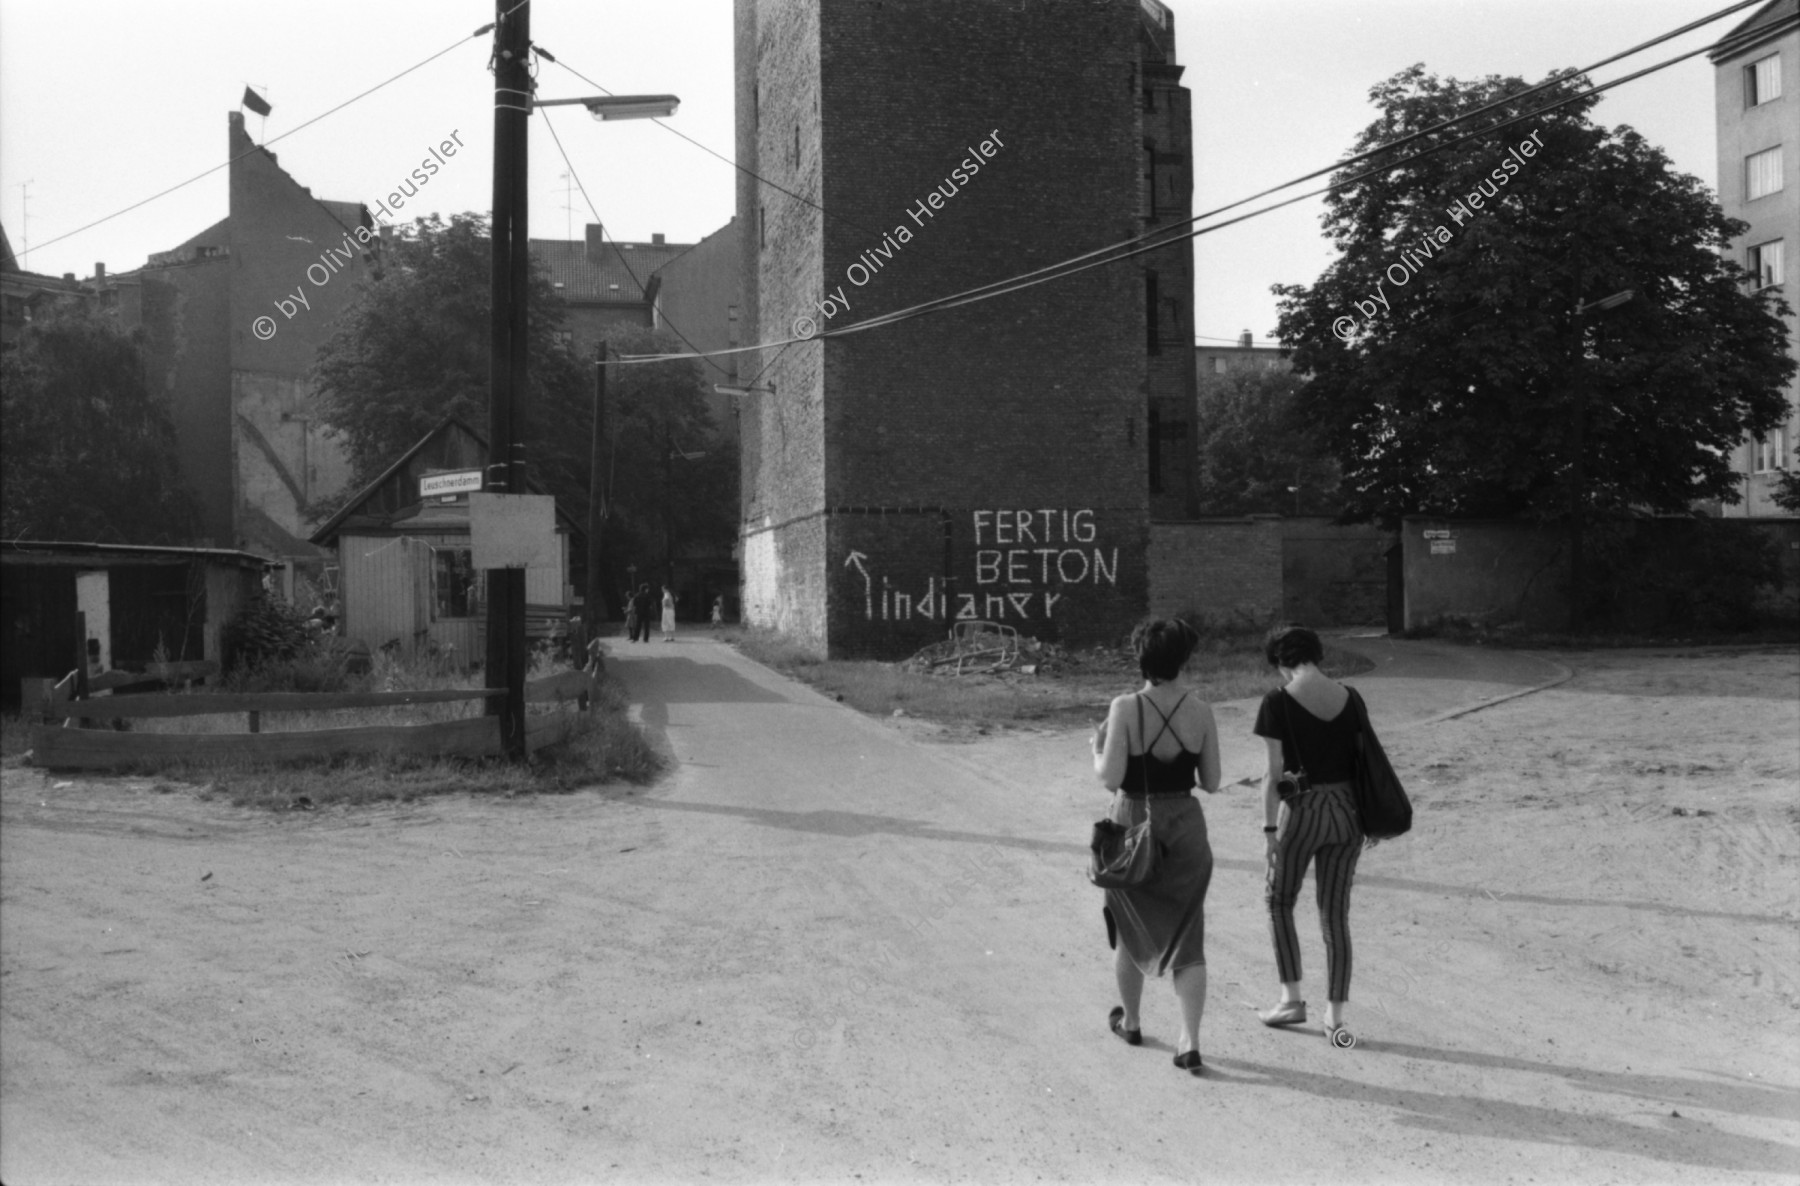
x: 831, y: 949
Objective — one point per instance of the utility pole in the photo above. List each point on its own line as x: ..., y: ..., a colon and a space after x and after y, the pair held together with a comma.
x: 599, y: 487
x: 509, y: 282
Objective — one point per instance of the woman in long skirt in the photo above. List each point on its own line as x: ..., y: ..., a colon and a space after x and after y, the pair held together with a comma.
x: 668, y: 616
x: 1155, y: 746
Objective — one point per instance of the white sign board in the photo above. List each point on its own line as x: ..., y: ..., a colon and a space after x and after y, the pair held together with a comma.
x: 462, y: 481
x: 513, y: 531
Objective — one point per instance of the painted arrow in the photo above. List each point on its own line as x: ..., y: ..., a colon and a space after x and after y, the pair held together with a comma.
x: 856, y: 559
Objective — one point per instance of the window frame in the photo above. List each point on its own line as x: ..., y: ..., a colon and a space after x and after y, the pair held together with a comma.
x: 1763, y: 459
x: 1754, y: 258
x: 1754, y: 95
x: 1778, y: 172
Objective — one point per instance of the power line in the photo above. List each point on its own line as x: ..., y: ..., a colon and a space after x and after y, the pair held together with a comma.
x: 703, y: 148
x: 1155, y: 240
x: 260, y: 147
x: 570, y: 165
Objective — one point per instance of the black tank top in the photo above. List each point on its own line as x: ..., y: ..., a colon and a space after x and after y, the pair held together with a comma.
x: 1146, y: 773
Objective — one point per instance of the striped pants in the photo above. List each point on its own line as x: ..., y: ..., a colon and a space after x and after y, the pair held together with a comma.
x: 1320, y: 826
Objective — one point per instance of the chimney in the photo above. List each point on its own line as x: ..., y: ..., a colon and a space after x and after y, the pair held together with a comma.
x: 596, y: 242
x: 1245, y: 340
x: 656, y: 239
x: 99, y: 271
x: 69, y: 276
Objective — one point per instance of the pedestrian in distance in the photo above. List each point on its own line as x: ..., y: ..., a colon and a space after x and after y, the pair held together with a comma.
x: 1154, y: 747
x: 641, y: 605
x: 633, y: 620
x: 718, y: 611
x: 1309, y: 817
x: 668, y: 614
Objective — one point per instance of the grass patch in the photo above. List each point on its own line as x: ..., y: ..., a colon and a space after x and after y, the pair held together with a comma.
x: 1069, y: 688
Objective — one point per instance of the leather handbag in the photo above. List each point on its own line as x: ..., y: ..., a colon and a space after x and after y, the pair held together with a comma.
x: 1121, y: 857
x: 1381, y: 803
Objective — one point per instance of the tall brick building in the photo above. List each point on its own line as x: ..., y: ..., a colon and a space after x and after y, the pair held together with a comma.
x: 1003, y: 460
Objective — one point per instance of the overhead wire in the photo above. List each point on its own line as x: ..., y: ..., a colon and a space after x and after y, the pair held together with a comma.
x: 265, y: 144
x: 1163, y: 237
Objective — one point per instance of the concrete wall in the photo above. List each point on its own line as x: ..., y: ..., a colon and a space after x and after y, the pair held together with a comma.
x: 1029, y: 408
x: 1226, y: 571
x: 1488, y: 571
x: 285, y: 244
x: 1742, y: 131
x: 1334, y: 576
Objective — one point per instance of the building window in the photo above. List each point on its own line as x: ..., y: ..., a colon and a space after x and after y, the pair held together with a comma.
x: 1219, y: 365
x: 1147, y: 183
x: 1762, y: 81
x: 1149, y: 99
x: 1152, y: 339
x: 1762, y: 173
x: 1154, y: 439
x: 1765, y: 264
x: 455, y: 585
x: 1769, y: 455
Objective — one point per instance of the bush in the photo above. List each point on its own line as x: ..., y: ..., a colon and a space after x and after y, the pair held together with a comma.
x: 267, y: 630
x: 1705, y: 574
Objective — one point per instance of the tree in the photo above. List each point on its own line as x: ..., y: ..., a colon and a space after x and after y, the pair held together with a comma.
x: 89, y: 453
x: 413, y: 348
x: 1255, y: 449
x: 1453, y: 364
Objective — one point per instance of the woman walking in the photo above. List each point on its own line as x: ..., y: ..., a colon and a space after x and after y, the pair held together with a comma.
x: 1309, y: 817
x: 668, y: 616
x: 1155, y: 745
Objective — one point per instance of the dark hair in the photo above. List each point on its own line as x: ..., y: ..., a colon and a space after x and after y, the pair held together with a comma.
x: 1290, y: 646
x: 1163, y: 646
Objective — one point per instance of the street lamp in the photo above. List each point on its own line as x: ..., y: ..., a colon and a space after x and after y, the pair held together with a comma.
x: 733, y: 389
x: 605, y: 107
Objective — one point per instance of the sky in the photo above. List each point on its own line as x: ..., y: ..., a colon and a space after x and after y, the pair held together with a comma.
x: 104, y: 103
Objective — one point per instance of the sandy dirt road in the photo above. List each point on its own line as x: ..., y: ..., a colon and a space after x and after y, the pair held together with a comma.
x: 826, y: 948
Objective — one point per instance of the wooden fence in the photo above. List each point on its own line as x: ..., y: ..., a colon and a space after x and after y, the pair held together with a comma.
x: 60, y: 742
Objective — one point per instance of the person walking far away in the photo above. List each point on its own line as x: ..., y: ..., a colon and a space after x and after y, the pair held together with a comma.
x: 668, y: 608
x: 1309, y: 817
x: 718, y: 611
x: 641, y: 608
x: 1155, y: 745
x: 633, y: 620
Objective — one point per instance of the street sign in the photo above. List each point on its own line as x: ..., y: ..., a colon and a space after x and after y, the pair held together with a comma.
x: 461, y: 481
x: 513, y: 531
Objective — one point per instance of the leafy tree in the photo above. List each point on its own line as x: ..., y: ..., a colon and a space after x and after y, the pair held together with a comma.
x: 673, y: 471
x: 413, y: 348
x: 1453, y: 388
x: 89, y: 453
x: 1787, y: 491
x: 1255, y: 449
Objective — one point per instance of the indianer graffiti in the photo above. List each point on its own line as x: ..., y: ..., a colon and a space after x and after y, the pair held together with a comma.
x: 1024, y: 560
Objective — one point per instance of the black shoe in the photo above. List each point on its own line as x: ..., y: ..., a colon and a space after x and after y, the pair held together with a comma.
x: 1116, y: 1022
x: 1189, y: 1062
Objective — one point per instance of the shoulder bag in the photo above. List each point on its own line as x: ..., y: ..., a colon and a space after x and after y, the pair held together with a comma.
x: 1381, y: 801
x: 1121, y: 857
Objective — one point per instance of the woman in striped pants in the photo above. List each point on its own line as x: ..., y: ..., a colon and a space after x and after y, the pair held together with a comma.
x: 1309, y: 817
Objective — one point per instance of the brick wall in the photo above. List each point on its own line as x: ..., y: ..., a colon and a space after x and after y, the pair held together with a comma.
x: 1332, y: 575
x: 1224, y: 570
x: 1007, y: 436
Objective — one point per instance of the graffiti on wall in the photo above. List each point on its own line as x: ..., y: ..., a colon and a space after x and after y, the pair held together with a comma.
x: 1024, y: 561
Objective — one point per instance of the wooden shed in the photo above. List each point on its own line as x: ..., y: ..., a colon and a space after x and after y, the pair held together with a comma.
x: 138, y: 604
x: 404, y: 577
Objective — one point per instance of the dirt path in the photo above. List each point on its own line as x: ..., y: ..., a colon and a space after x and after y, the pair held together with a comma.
x: 823, y: 950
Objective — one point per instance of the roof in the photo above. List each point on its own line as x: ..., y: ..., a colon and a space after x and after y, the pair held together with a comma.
x: 18, y: 551
x: 1768, y: 22
x: 619, y: 273
x: 328, y: 532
